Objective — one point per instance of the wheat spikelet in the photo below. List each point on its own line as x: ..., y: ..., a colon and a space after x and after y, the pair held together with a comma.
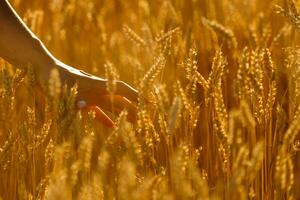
x: 164, y: 41
x: 132, y: 36
x: 218, y: 69
x: 291, y: 13
x: 223, y: 31
x: 112, y: 76
x: 271, y: 98
x: 184, y: 99
x: 163, y: 125
x: 44, y: 133
x: 255, y: 70
x: 31, y: 76
x: 269, y: 64
x: 153, y: 72
x: 18, y: 79
x: 167, y: 35
x: 215, y: 82
x: 242, y: 82
x: 49, y: 154
x: 221, y: 122
x: 284, y: 174
x: 191, y: 70
x: 250, y: 80
x: 145, y: 127
x: 129, y: 137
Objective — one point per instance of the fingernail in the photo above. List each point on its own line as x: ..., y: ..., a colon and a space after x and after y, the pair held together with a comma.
x: 81, y: 104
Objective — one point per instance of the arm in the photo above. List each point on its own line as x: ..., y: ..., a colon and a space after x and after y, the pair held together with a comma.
x: 20, y: 47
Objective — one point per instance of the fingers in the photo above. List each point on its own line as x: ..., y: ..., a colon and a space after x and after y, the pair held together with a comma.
x: 113, y: 103
x: 100, y: 115
x: 91, y: 94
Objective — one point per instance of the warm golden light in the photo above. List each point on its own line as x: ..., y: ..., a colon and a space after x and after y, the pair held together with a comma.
x: 211, y: 90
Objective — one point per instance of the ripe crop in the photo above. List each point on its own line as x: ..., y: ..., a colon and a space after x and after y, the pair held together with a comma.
x: 218, y: 111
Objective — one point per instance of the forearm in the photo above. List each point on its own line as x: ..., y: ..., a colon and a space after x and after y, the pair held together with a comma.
x: 18, y: 45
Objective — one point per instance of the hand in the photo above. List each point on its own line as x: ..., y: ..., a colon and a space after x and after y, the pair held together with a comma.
x: 19, y: 46
x: 93, y: 95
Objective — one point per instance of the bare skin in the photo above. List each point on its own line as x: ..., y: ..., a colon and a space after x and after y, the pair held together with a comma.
x: 21, y: 47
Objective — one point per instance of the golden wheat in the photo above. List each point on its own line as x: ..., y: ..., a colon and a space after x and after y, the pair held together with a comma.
x: 218, y: 112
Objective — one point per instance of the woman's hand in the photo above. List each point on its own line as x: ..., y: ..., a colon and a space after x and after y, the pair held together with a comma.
x: 21, y: 47
x: 92, y: 94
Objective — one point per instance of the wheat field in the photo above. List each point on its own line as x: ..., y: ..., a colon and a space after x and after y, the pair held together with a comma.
x: 218, y: 114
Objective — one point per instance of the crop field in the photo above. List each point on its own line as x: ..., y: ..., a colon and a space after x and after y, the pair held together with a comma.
x: 218, y: 115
